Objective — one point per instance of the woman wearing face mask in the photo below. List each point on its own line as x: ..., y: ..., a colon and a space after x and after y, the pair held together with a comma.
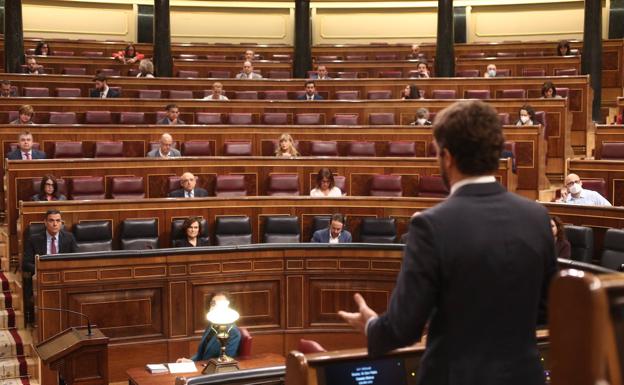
x: 490, y: 71
x: 562, y: 246
x: 527, y: 116
x: 422, y: 118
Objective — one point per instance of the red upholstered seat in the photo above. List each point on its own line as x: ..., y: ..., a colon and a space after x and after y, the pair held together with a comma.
x: 98, y: 117
x: 540, y: 117
x: 131, y: 117
x: 173, y: 183
x: 230, y: 186
x: 208, y: 118
x: 385, y: 56
x: 347, y: 95
x: 127, y: 187
x: 180, y: 94
x: 244, y: 348
x: 88, y: 187
x: 310, y: 346
x: 379, y: 94
x: 477, y: 94
x: 328, y: 58
x: 63, y: 92
x: 68, y: 150
x: 308, y: 118
x: 188, y: 74
x: 246, y: 95
x: 150, y: 94
x: 341, y: 182
x: 596, y: 184
x: 36, y: 92
x: 386, y: 185
x: 566, y: 72
x: 62, y: 53
x: 187, y: 56
x: 283, y: 184
x: 472, y: 55
x: 346, y: 75
x: 533, y: 72
x: 390, y: 74
x: 513, y: 93
x: 62, y: 118
x: 279, y: 74
x: 467, y: 73
x: 237, y: 148
x: 323, y: 148
x: 503, y: 72
x: 563, y: 91
x: 534, y: 53
x: 12, y: 116
x: 216, y: 57
x: 240, y: 118
x: 503, y: 117
x: 74, y: 71
x: 276, y: 118
x: 92, y: 53
x: 506, y: 54
x: 346, y: 119
x: 361, y: 149
x: 381, y: 118
x: 196, y: 148
x: 281, y: 56
x: 431, y: 186
x: 108, y: 150
x: 108, y: 72
x: 220, y: 74
x: 611, y: 150
x: 356, y: 57
x: 444, y: 94
x: 276, y: 95
x: 401, y: 148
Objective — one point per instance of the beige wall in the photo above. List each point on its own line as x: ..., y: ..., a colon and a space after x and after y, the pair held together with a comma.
x: 333, y: 22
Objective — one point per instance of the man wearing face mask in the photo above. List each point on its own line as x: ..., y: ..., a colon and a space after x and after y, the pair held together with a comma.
x: 490, y: 71
x: 422, y: 117
x: 573, y: 193
x: 476, y: 268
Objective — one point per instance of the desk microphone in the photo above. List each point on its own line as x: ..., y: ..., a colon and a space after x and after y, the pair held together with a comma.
x: 69, y: 311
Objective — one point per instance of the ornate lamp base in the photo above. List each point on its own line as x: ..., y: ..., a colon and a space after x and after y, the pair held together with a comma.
x: 217, y: 366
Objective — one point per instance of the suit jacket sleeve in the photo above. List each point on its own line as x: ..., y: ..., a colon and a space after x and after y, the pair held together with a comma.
x: 347, y: 237
x: 28, y: 264
x: 415, y: 294
x: 316, y: 237
x: 176, y: 194
x: 39, y: 154
x: 200, y: 192
x: 14, y: 155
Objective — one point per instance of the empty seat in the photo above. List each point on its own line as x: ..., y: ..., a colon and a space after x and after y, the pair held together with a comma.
x: 477, y: 94
x: 275, y: 118
x: 401, y: 148
x: 391, y: 74
x: 506, y: 54
x: 563, y: 91
x: 356, y: 57
x: 177, y: 235
x: 281, y: 56
x: 63, y: 92
x: 328, y: 58
x: 240, y: 118
x: 127, y: 187
x: 234, y: 230
x: 386, y: 185
x: 230, y: 186
x: 237, y: 148
x: 341, y: 182
x: 108, y: 72
x: 346, y: 75
x: 281, y: 229
x: 346, y: 119
x: 385, y: 56
x: 596, y: 184
x: 513, y: 94
x: 320, y: 222
x: 582, y: 242
x: 208, y: 118
x: 283, y: 185
x: 187, y: 56
x: 503, y: 72
x: 323, y: 148
x: 180, y: 94
x: 131, y: 117
x: 432, y: 186
x: 613, y: 250
x: 309, y: 346
x: 139, y: 234
x: 503, y: 117
x: 276, y: 95
x: 92, y: 53
x: 279, y: 74
x: 63, y: 53
x: 381, y: 118
x: 540, y: 118
x: 472, y: 55
x: 566, y: 72
x: 196, y: 148
x: 150, y: 94
x: 87, y: 188
x: 361, y: 149
x: 379, y: 94
x: 444, y: 94
x: 36, y: 92
x: 378, y: 230
x: 533, y: 72
x: 467, y: 73
x: 98, y: 117
x: 612, y: 150
x: 64, y: 150
x: 347, y: 95
x: 93, y: 236
x: 220, y: 74
x: 81, y: 71
x: 308, y: 118
x: 534, y: 53
x: 188, y: 74
x: 107, y: 149
x: 246, y: 95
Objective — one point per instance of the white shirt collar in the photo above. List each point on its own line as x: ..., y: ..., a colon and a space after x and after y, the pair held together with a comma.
x: 472, y: 180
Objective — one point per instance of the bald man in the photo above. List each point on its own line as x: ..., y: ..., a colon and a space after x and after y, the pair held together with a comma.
x: 188, y: 190
x: 165, y: 150
x: 248, y: 72
x: 573, y: 193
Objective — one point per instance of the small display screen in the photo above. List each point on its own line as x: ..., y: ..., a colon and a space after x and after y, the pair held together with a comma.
x: 383, y: 371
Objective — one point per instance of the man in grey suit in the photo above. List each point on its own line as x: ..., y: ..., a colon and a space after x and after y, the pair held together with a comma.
x: 335, y: 233
x: 188, y: 190
x: 165, y: 150
x: 476, y: 267
x: 248, y: 72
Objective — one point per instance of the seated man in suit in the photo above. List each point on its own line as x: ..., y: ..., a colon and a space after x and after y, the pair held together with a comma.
x: 32, y: 68
x: 25, y: 149
x: 188, y: 190
x: 310, y: 92
x: 6, y: 91
x: 335, y: 233
x: 209, y: 346
x: 164, y: 150
x: 248, y: 72
x: 321, y: 73
x: 173, y: 113
x: 25, y: 115
x: 101, y: 88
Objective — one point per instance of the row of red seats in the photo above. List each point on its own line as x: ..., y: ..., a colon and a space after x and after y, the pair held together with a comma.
x: 274, y: 57
x: 468, y: 55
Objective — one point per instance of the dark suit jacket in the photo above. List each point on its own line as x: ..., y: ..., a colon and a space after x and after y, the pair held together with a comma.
x: 111, y: 93
x: 197, y: 191
x: 166, y: 120
x: 185, y: 243
x: 36, y: 244
x: 477, y: 266
x: 40, y: 71
x: 17, y: 155
x: 305, y: 97
x: 322, y: 236
x: 209, y: 346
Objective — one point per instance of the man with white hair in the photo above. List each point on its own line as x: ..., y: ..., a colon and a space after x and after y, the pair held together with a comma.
x: 188, y: 190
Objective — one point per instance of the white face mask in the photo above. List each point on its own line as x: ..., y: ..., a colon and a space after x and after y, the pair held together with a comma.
x: 492, y: 73
x: 575, y: 189
x: 524, y: 119
x: 421, y: 122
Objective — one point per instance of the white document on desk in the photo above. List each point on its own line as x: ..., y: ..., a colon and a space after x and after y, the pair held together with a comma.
x: 182, y: 367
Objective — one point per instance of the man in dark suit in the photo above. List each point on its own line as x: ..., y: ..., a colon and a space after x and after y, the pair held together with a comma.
x: 32, y: 68
x: 310, y: 92
x: 6, y: 90
x: 334, y: 233
x: 102, y: 90
x: 477, y: 267
x: 25, y: 149
x: 321, y: 73
x: 188, y: 190
x: 173, y: 115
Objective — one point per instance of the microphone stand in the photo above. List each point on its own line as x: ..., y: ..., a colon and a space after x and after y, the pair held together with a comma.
x: 69, y: 311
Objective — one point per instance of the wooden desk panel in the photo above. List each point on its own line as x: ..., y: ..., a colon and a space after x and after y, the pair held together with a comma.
x: 606, y: 133
x: 612, y: 171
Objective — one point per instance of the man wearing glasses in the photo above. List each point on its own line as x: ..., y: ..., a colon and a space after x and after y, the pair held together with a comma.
x: 574, y: 193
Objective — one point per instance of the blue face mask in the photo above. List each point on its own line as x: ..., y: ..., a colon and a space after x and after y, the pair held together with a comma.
x: 492, y: 73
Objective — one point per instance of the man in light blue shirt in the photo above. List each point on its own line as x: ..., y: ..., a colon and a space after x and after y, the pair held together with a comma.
x: 574, y: 193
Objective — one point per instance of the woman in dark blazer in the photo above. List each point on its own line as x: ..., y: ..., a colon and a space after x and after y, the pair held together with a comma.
x: 562, y: 246
x: 48, y: 190
x: 191, y: 228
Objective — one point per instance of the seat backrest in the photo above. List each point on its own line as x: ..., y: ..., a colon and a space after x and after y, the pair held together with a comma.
x: 563, y: 91
x: 150, y: 94
x: 503, y: 72
x: 477, y: 94
x: 276, y: 95
x: 432, y: 186
x: 443, y: 94
x: 540, y: 117
x: 381, y: 118
x: 244, y: 347
x: 63, y: 92
x: 310, y: 346
x: 533, y: 72
x: 341, y: 182
x: 98, y: 117
x: 323, y: 148
x: 36, y: 92
x: 566, y: 72
x: 275, y: 118
x: 346, y: 75
x: 347, y: 95
x: 346, y: 119
x: 188, y: 74
x: 279, y: 74
x: 612, y: 150
x: 131, y: 117
x: 391, y: 74
x: 613, y: 250
x: 401, y: 148
x: 467, y: 73
x: 196, y: 148
x: 283, y: 185
x: 92, y: 53
x: 93, y: 236
x: 240, y: 118
x: 139, y: 234
x: 386, y: 185
x: 308, y: 118
x: 320, y: 222
x: 177, y: 234
x: 281, y: 229
x: 516, y: 93
x: 472, y: 55
x: 379, y: 94
x: 246, y: 95
x: 361, y: 149
x: 88, y: 188
x: 108, y: 72
x: 64, y: 150
x: 596, y: 184
x: 378, y: 230
x: 234, y: 230
x: 230, y: 186
x: 237, y: 148
x: 356, y: 57
x: 180, y: 94
x: 127, y: 187
x: 108, y: 150
x: 581, y: 240
x: 503, y: 117
x: 386, y: 56
x: 220, y: 74
x: 208, y: 118
x: 74, y: 71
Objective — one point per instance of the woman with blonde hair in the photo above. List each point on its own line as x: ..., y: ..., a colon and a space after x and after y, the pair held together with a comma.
x: 286, y: 147
x: 146, y: 69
